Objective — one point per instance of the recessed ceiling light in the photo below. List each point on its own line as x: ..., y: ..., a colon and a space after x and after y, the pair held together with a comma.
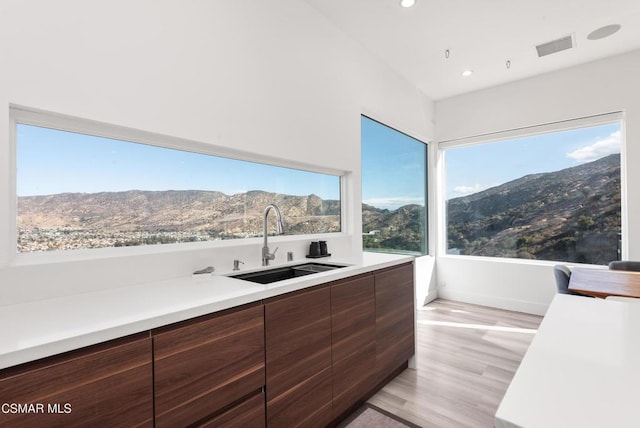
x: 407, y: 3
x: 603, y: 32
x: 467, y: 73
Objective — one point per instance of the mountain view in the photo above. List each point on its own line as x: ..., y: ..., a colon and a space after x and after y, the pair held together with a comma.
x: 107, y: 219
x: 569, y: 215
x: 401, y: 229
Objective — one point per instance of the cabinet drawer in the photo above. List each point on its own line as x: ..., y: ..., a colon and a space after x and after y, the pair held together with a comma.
x: 353, y: 327
x: 247, y: 414
x: 394, y: 318
x: 298, y: 358
x: 204, y: 366
x: 107, y: 385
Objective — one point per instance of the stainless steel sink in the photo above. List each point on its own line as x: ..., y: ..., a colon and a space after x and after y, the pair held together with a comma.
x: 286, y: 272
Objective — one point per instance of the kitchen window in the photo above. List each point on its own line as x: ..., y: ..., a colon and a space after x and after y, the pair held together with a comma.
x: 82, y: 190
x: 553, y: 194
x: 394, y: 190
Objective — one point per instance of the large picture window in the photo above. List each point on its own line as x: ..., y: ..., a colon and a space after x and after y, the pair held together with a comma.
x: 394, y: 183
x: 552, y: 196
x: 78, y: 191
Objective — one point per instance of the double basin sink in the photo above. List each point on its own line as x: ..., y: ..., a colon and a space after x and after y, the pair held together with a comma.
x: 268, y: 276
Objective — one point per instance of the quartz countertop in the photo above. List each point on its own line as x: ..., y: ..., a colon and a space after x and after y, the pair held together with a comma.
x: 34, y: 330
x: 581, y: 370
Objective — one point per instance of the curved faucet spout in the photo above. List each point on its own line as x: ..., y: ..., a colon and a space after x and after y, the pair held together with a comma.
x: 266, y: 255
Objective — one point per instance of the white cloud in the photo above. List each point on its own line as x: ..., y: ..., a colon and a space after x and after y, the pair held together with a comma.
x: 467, y: 190
x: 394, y: 202
x: 597, y: 150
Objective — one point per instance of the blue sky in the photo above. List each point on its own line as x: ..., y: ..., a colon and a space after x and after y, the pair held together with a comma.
x: 392, y: 161
x: 393, y: 167
x: 52, y: 161
x: 474, y: 168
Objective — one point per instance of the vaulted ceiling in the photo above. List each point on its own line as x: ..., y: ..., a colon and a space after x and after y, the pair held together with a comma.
x: 482, y: 35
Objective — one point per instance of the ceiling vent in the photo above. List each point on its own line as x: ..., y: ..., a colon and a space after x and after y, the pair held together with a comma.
x: 554, y: 46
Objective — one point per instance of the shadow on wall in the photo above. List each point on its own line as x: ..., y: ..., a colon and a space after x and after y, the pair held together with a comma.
x: 426, y: 286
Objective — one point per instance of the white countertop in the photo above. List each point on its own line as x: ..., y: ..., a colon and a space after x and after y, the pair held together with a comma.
x: 581, y: 370
x: 39, y: 329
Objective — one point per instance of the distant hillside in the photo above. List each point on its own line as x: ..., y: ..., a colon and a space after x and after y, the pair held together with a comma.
x: 571, y: 215
x: 139, y: 217
x: 568, y: 215
x: 400, y: 229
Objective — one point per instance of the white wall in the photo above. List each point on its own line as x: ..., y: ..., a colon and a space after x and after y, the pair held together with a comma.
x: 599, y: 87
x: 272, y: 78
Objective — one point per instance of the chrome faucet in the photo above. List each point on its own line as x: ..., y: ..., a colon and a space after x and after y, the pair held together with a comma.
x: 266, y: 255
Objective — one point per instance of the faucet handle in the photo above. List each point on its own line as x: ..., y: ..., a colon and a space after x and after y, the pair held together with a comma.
x: 208, y: 269
x: 268, y: 255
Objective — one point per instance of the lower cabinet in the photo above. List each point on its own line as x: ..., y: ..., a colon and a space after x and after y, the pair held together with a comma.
x: 298, y: 359
x: 205, y: 365
x: 311, y: 356
x: 353, y: 328
x: 104, y: 385
x: 395, y: 324
x: 327, y: 348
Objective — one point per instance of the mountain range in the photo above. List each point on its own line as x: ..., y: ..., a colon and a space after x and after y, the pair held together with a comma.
x: 569, y: 215
x: 402, y: 229
x: 135, y: 217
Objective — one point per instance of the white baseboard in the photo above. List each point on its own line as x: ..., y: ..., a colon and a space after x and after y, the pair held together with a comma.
x: 431, y: 296
x: 535, y: 308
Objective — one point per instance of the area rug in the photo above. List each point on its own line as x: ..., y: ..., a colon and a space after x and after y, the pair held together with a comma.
x: 369, y: 416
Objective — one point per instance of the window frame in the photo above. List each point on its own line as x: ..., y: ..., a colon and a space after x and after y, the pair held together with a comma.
x: 527, y: 131
x: 40, y: 118
x: 427, y: 238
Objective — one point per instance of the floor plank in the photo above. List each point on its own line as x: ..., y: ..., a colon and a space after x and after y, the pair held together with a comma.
x: 466, y: 357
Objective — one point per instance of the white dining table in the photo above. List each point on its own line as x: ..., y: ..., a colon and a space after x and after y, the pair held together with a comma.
x: 581, y: 370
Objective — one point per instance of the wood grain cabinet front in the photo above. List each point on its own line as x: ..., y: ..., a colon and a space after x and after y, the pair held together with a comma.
x: 107, y: 385
x: 353, y: 332
x: 298, y: 359
x: 204, y: 366
x: 395, y: 325
x: 311, y: 355
x: 248, y: 414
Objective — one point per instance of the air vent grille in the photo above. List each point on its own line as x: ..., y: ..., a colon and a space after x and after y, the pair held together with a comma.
x: 554, y: 46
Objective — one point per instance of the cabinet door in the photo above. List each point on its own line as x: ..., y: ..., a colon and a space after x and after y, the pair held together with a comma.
x: 353, y: 321
x: 298, y: 358
x: 394, y: 318
x: 207, y: 364
x: 106, y: 385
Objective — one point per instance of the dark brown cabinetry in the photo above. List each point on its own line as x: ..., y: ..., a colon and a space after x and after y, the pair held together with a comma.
x: 298, y: 359
x: 319, y: 351
x: 205, y: 365
x: 104, y: 385
x: 353, y: 328
x: 395, y: 341
x: 248, y: 414
x: 327, y: 348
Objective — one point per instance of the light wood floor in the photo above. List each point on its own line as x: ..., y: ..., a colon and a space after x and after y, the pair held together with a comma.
x: 466, y: 357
